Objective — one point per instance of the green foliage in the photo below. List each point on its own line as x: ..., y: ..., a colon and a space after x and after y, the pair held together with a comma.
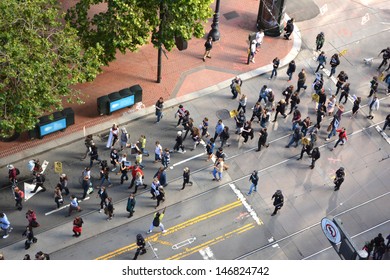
x: 40, y: 58
x: 128, y: 24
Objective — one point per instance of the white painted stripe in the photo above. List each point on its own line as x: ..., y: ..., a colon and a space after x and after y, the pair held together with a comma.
x: 188, y: 159
x: 383, y: 134
x: 183, y: 243
x: 44, y: 165
x: 203, y: 254
x: 63, y: 207
x: 209, y: 253
x: 248, y: 207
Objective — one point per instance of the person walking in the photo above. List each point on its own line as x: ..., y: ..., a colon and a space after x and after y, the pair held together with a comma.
x: 188, y: 127
x: 373, y: 105
x: 77, y: 226
x: 263, y: 94
x: 13, y: 172
x: 289, y: 28
x: 296, y: 137
x: 345, y: 92
x: 247, y: 131
x: 63, y: 184
x: 157, y: 218
x: 278, y: 201
x: 186, y: 178
x: 275, y: 66
x: 19, y: 195
x: 254, y: 179
x: 320, y: 40
x: 94, y: 155
x: 224, y: 136
x: 252, y: 50
x: 218, y: 169
x: 287, y: 93
x: 373, y: 86
x: 256, y: 112
x: 154, y: 188
x: 109, y: 210
x: 265, y: 117
x: 307, y: 146
x: 124, y: 171
x: 342, y: 77
x: 32, y: 218
x: 210, y: 148
x: 334, y: 62
x: 130, y: 205
x: 39, y: 180
x: 159, y: 106
x: 88, y: 143
x: 242, y: 103
x: 315, y: 155
x: 58, y: 199
x: 280, y: 108
x: 291, y: 69
x: 301, y: 83
x: 102, y: 194
x: 160, y: 197
x: 113, y: 136
x: 140, y: 246
x: 294, y: 101
x: 106, y: 176
x: 179, y: 143
x: 339, y: 178
x: 334, y: 124
x: 205, y: 128
x: 235, y: 87
x: 385, y: 57
x: 5, y: 225
x: 157, y: 152
x: 74, y: 205
x: 259, y: 39
x: 321, y: 59
x: 387, y: 122
x: 180, y: 113
x: 208, y: 45
x: 166, y: 158
x: 263, y: 134
x: 356, y: 106
x: 331, y: 104
x: 161, y: 175
x: 30, y: 238
x: 124, y: 138
x: 296, y: 119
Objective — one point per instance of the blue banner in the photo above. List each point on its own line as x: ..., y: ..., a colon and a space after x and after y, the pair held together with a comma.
x: 121, y: 103
x: 52, y: 127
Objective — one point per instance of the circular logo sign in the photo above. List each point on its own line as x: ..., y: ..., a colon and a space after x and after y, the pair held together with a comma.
x: 330, y: 230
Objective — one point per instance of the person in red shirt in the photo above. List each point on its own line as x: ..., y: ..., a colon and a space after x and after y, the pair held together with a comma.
x: 12, y: 173
x: 342, y: 136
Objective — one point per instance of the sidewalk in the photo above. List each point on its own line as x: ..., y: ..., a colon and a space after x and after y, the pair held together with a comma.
x: 184, y: 77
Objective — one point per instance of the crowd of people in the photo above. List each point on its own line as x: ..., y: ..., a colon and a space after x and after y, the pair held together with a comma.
x: 304, y: 132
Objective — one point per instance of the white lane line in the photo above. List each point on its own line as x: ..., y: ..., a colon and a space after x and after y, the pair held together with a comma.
x: 44, y: 165
x: 188, y: 159
x: 63, y: 207
x: 207, y: 254
x: 248, y: 207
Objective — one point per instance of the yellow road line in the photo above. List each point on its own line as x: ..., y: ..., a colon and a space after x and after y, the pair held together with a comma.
x: 173, y: 229
x: 211, y: 242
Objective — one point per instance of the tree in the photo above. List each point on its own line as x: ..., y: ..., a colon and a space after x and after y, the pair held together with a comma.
x: 40, y: 58
x: 128, y: 24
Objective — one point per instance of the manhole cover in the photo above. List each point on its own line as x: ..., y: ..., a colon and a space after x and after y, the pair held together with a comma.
x: 223, y: 114
x: 231, y: 15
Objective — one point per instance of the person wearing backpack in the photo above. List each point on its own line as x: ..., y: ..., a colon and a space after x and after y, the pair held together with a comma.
x: 334, y: 62
x: 157, y: 222
x: 320, y: 40
x: 39, y: 180
x: 278, y: 201
x: 315, y: 155
x: 339, y: 179
x: 19, y: 195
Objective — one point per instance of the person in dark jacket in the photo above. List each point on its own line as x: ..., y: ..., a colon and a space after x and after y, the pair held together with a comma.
x: 161, y: 175
x: 295, y: 100
x: 320, y: 40
x: 256, y: 113
x: 373, y: 86
x: 208, y: 45
x: 385, y: 56
x: 344, y: 92
x: 179, y: 142
x: 342, y: 77
x: 93, y: 153
x: 315, y: 155
x: 289, y: 28
x: 130, y: 205
x: 224, y: 136
x: 275, y: 66
x: 334, y: 62
x: 110, y: 209
x: 339, y: 179
x: 280, y: 108
x: 186, y: 177
x: 278, y: 201
x: 39, y: 180
x: 287, y: 93
x: 247, y: 131
x: 254, y: 179
x: 296, y: 137
x: 321, y: 61
x: 102, y: 194
x: 290, y: 70
x: 307, y: 146
x: 30, y: 237
x: 263, y: 134
x: 140, y: 246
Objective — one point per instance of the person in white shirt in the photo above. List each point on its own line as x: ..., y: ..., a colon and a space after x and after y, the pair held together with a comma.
x: 259, y: 39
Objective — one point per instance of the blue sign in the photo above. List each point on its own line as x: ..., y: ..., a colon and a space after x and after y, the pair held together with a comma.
x: 121, y: 103
x: 52, y: 127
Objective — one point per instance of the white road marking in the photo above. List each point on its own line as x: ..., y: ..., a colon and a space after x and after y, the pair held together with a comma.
x: 384, y: 135
x: 248, y: 207
x: 183, y: 243
x: 207, y: 254
x: 188, y: 159
x: 65, y: 206
x: 44, y: 165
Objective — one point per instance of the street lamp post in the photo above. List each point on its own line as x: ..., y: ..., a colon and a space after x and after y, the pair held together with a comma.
x: 159, y: 54
x: 214, y: 32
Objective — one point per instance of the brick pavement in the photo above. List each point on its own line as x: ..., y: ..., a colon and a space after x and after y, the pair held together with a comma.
x: 183, y: 72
